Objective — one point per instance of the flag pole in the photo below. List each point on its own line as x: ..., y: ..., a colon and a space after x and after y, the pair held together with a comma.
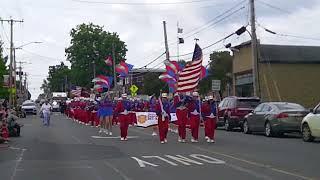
x: 114, y: 70
x: 178, y: 41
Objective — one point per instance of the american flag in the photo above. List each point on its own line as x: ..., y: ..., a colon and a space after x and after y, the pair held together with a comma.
x: 76, y: 91
x: 189, y: 77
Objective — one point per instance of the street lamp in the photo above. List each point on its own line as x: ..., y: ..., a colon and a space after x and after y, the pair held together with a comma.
x: 15, y: 65
x: 33, y: 42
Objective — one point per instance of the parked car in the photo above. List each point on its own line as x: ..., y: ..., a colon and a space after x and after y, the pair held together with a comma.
x: 275, y: 118
x: 231, y: 110
x: 29, y: 107
x: 310, y: 125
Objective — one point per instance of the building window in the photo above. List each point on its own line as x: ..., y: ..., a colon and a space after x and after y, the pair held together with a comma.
x: 244, y: 79
x: 244, y: 85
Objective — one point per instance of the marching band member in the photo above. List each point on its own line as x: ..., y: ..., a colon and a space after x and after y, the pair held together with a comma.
x: 182, y: 115
x: 122, y: 109
x: 163, y: 113
x: 208, y: 111
x: 105, y: 112
x: 194, y: 115
x: 152, y: 108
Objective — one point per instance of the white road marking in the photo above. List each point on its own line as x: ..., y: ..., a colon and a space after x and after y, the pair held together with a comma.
x: 116, y: 170
x: 162, y: 159
x: 183, y: 160
x: 143, y: 163
x: 255, y: 163
x: 207, y: 159
x: 17, y: 164
x: 113, y: 137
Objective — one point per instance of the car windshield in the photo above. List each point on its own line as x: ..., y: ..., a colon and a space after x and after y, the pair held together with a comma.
x: 28, y: 104
x: 248, y: 103
x: 290, y: 106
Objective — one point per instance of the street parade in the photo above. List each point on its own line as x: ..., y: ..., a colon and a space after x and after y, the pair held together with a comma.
x: 159, y: 89
x: 181, y: 112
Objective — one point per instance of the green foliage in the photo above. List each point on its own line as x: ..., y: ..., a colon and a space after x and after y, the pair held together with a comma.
x: 220, y: 68
x: 57, y: 79
x: 3, y: 91
x: 153, y: 85
x: 45, y: 87
x: 90, y: 43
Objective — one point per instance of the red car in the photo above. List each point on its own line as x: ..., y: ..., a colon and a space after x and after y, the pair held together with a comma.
x: 232, y: 110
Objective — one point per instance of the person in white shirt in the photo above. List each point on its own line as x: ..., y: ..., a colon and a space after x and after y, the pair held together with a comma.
x: 46, y: 110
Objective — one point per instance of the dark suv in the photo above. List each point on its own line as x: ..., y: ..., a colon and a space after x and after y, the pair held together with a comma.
x: 231, y: 110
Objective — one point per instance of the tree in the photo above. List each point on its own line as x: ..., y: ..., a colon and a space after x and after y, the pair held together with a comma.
x: 219, y: 68
x: 90, y: 45
x: 153, y: 85
x: 3, y: 71
x: 56, y: 82
x: 45, y: 88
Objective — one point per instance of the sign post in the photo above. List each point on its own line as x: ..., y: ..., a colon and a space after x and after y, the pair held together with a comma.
x: 216, y: 87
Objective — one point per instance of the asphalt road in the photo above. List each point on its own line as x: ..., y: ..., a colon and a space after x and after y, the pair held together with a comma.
x: 69, y: 151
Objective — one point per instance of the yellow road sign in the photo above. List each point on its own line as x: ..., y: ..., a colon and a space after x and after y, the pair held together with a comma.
x: 133, y: 89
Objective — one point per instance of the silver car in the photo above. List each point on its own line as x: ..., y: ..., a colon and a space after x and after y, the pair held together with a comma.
x: 29, y: 107
x: 275, y: 118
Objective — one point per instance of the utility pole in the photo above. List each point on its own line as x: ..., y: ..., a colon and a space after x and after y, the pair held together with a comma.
x: 166, y: 41
x: 65, y: 83
x: 11, y: 21
x: 25, y: 89
x: 94, y: 68
x: 114, y: 68
x: 254, y: 49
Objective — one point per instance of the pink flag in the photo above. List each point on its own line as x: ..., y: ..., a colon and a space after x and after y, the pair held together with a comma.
x: 108, y: 61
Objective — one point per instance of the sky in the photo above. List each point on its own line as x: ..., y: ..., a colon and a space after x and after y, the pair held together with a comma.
x: 140, y: 26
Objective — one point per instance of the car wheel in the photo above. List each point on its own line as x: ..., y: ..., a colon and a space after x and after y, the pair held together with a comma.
x: 267, y: 129
x: 245, y: 128
x: 227, y: 126
x: 306, y: 133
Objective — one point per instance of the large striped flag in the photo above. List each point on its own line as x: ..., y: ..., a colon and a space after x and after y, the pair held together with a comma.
x: 189, y: 77
x: 76, y: 91
x: 123, y: 68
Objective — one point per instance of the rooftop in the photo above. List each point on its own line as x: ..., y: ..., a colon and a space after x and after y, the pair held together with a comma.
x: 286, y: 53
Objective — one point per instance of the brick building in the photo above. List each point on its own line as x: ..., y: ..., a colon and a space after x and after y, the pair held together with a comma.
x: 285, y: 73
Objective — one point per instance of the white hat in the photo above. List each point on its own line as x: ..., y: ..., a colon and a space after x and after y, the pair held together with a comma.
x: 164, y: 95
x: 188, y: 93
x: 210, y: 97
x: 124, y: 95
x: 176, y: 94
x: 206, y: 98
x: 195, y: 94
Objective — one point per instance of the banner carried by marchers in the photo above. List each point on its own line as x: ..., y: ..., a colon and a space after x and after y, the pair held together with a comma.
x: 147, y: 119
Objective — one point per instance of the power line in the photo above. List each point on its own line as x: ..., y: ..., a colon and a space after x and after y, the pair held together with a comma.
x: 226, y: 37
x: 152, y: 61
x: 212, y: 22
x: 287, y: 35
x: 208, y: 23
x: 273, y: 6
x: 229, y: 15
x: 215, y: 18
x: 46, y: 57
x: 141, y: 3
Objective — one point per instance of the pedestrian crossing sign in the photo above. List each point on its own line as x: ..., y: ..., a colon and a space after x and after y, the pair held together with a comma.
x: 134, y: 89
